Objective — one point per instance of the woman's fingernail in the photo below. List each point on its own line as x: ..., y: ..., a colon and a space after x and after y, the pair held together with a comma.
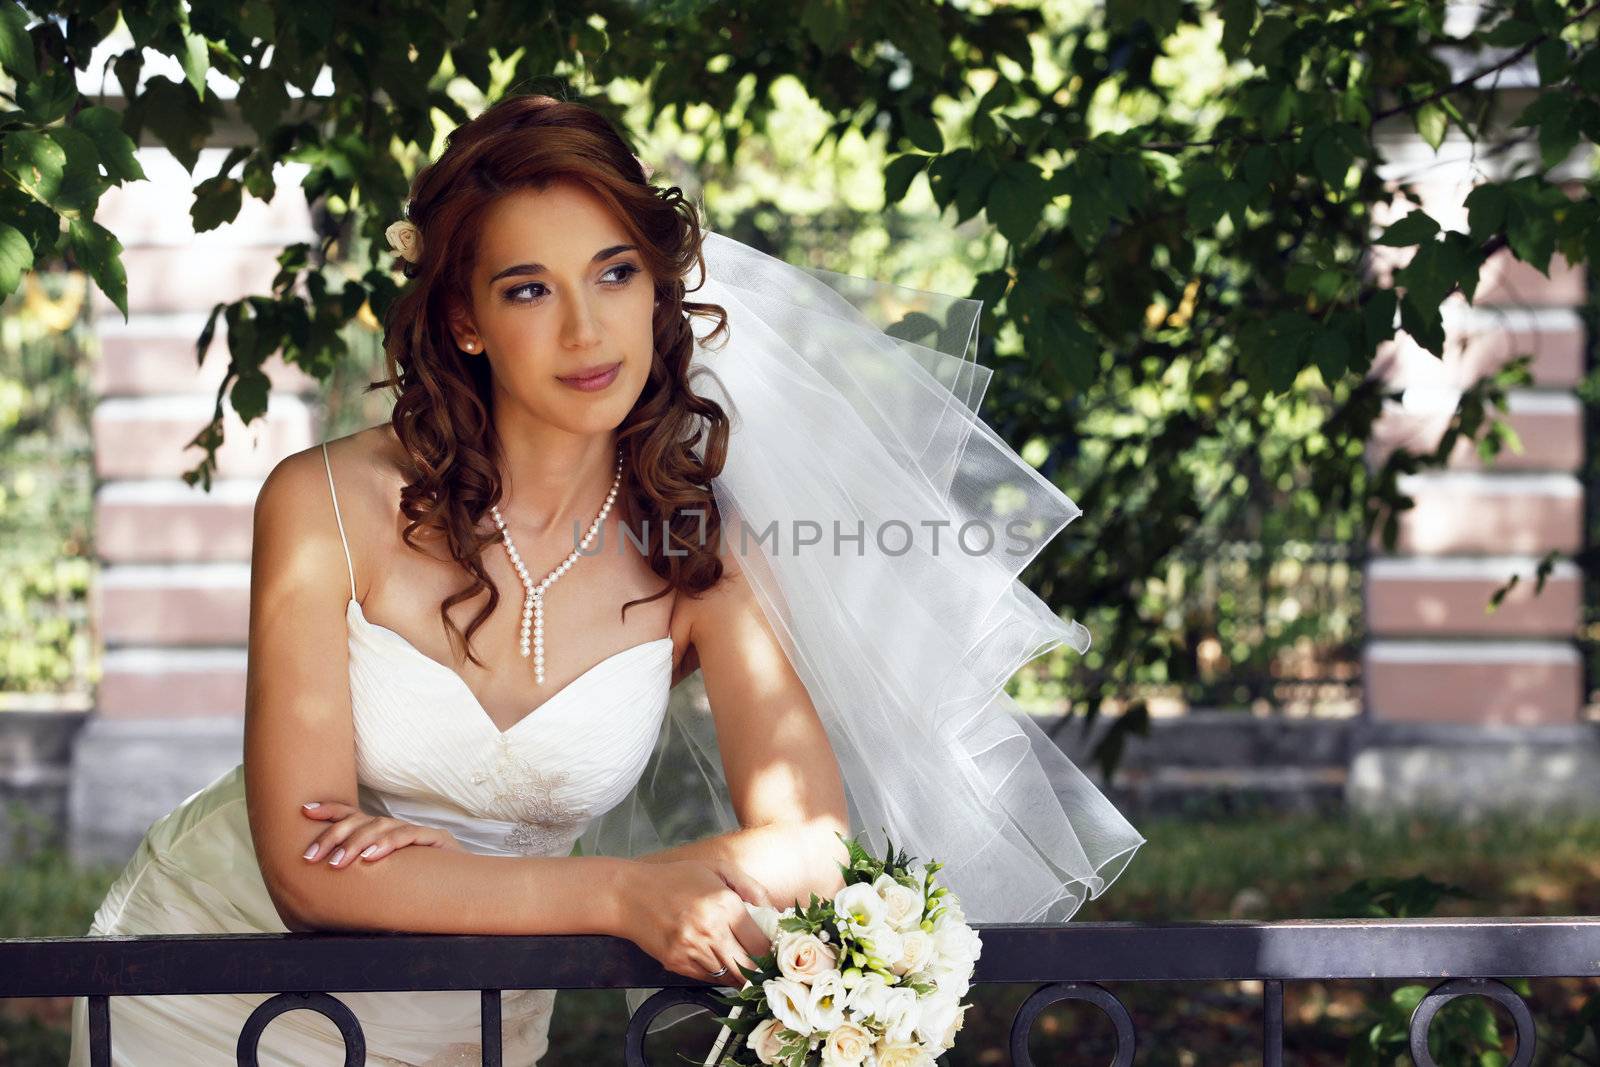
x: 312, y: 851
x: 369, y: 850
x: 313, y: 804
x: 338, y: 854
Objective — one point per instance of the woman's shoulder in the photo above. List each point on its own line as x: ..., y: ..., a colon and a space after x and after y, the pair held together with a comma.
x: 374, y: 452
x: 360, y: 470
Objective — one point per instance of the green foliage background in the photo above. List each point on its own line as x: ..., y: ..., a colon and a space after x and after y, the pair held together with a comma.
x: 1167, y: 209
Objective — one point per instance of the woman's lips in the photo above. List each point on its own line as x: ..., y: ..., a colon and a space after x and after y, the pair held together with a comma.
x: 594, y: 381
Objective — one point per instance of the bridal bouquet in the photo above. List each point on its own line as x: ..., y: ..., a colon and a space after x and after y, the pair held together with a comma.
x: 871, y: 978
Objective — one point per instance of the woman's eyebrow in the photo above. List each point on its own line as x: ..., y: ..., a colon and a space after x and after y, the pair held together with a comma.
x: 540, y: 268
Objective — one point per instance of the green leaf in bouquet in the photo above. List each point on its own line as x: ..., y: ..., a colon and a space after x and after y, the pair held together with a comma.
x: 743, y: 1023
x: 860, y: 859
x: 794, y: 1048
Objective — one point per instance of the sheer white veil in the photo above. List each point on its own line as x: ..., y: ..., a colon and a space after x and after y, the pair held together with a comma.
x: 882, y: 525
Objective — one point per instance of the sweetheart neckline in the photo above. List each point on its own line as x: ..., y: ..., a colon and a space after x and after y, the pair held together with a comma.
x: 461, y: 682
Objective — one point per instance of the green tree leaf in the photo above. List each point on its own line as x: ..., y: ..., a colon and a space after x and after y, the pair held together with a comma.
x: 944, y: 175
x: 922, y: 131
x: 1332, y: 158
x: 115, y: 148
x: 81, y: 184
x: 48, y: 97
x: 1511, y: 33
x: 1331, y: 353
x: 1238, y: 23
x: 1530, y: 230
x: 16, y: 45
x: 16, y: 258
x: 1415, y: 228
x: 898, y: 175
x: 1377, y: 316
x: 1486, y: 210
x: 99, y: 252
x: 216, y: 201
x: 827, y: 23
x: 1424, y: 323
x: 1551, y: 57
x: 1432, y: 124
x: 249, y: 393
x: 37, y: 163
x: 1017, y: 199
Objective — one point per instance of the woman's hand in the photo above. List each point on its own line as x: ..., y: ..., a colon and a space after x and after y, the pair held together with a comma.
x: 354, y: 834
x: 687, y: 915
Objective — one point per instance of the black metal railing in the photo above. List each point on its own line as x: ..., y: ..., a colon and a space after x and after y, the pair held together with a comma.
x: 1072, y: 961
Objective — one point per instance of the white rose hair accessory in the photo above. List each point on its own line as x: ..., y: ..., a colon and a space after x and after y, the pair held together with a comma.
x: 405, y: 240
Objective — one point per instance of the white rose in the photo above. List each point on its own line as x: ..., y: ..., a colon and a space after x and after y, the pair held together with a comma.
x: 825, y: 1008
x: 885, y: 942
x: 916, y: 949
x: 764, y: 1040
x: 405, y: 240
x: 865, y: 994
x: 935, y: 1015
x: 952, y: 980
x: 802, y: 956
x: 790, y: 1003
x: 766, y: 918
x: 902, y: 1054
x: 903, y: 903
x: 897, y: 1011
x: 848, y: 1046
x: 948, y: 1038
x: 957, y: 943
x: 859, y: 905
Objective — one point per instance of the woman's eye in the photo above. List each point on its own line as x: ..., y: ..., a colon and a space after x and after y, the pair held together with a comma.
x: 622, y: 272
x: 511, y: 294
x: 628, y: 270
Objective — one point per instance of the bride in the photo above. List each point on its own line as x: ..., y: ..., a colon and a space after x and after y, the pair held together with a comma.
x: 561, y: 437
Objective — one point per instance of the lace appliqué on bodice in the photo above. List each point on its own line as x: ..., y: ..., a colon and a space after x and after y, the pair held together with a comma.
x: 544, y: 822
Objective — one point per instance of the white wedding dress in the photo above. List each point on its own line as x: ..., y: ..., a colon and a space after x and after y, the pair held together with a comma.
x: 426, y: 752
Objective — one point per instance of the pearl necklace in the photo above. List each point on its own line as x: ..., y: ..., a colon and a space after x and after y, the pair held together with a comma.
x: 533, y: 596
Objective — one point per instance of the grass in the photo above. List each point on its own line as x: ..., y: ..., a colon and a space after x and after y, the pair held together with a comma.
x: 1262, y: 868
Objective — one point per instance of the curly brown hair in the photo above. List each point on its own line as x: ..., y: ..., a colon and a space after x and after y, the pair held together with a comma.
x: 443, y: 400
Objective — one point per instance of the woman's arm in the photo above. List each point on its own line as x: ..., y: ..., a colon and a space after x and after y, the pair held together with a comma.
x: 781, y: 772
x: 300, y: 743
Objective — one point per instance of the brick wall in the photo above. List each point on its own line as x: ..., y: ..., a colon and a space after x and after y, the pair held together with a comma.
x: 1468, y: 710
x: 1435, y: 654
x: 172, y: 597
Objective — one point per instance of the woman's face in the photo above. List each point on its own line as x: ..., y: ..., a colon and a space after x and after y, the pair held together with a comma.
x: 559, y: 292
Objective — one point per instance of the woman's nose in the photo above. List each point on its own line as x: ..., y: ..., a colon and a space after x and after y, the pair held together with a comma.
x: 580, y: 330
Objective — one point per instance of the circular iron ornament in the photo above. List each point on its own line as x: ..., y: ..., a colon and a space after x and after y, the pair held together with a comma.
x: 1495, y: 990
x: 1055, y: 992
x: 633, y: 1050
x: 355, y: 1042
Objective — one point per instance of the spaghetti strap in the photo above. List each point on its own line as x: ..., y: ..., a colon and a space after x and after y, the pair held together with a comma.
x: 340, y: 519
